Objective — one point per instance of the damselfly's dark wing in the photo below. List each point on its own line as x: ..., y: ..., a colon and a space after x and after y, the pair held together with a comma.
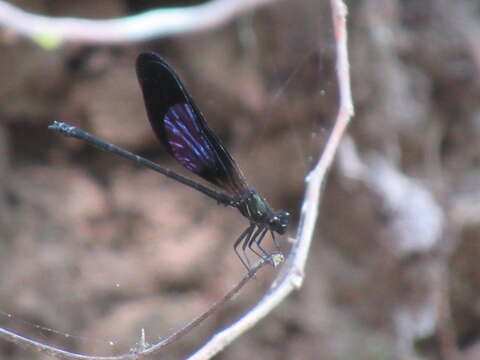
x: 181, y: 128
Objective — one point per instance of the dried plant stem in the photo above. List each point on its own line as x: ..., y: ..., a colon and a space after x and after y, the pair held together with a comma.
x: 148, y: 25
x: 142, y: 352
x: 292, y: 275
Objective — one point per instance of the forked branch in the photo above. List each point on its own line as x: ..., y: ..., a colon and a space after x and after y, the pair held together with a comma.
x: 292, y: 274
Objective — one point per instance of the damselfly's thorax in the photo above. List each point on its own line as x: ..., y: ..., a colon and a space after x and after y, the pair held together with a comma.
x: 255, y: 207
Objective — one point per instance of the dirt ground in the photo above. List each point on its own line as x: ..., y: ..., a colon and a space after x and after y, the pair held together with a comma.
x: 93, y: 248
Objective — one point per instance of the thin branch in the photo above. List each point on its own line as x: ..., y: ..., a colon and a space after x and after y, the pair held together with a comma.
x: 197, y: 321
x: 142, y: 352
x: 145, y: 26
x: 53, y: 351
x: 292, y: 276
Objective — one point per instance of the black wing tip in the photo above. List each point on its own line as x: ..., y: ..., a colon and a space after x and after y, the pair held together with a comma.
x: 150, y: 57
x: 146, y: 57
x: 144, y: 63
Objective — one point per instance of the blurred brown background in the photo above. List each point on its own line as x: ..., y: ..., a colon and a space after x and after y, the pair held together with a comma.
x: 95, y: 247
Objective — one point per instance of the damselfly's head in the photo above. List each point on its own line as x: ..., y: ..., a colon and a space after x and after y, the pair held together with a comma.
x: 279, y: 222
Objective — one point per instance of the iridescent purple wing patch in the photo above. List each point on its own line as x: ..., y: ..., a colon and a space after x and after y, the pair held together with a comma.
x: 185, y: 139
x: 180, y: 126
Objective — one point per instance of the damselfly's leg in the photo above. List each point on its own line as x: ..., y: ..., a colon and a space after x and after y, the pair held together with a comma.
x: 257, y: 239
x: 252, y: 240
x: 275, y: 241
x: 247, y: 241
x: 244, y: 236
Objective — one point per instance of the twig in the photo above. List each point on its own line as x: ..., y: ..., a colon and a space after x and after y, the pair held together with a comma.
x: 143, y: 352
x: 53, y: 351
x: 291, y: 277
x: 186, y: 329
x: 148, y: 25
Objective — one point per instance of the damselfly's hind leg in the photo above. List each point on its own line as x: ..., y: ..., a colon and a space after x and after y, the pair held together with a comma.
x: 256, y: 239
x: 245, y: 237
x: 251, y: 241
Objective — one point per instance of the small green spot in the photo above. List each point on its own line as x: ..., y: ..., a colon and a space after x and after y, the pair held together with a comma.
x: 277, y: 259
x: 47, y: 41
